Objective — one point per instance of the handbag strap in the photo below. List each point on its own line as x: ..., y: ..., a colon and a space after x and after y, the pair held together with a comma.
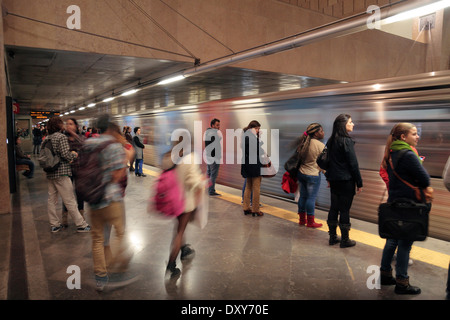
x: 398, y: 176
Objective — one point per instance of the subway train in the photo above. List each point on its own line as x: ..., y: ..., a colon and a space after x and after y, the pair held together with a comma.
x: 375, y: 106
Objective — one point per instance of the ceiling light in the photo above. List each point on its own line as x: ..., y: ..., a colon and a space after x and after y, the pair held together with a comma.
x: 66, y: 113
x: 108, y: 99
x: 90, y: 105
x: 72, y: 111
x: 127, y: 93
x: 422, y: 11
x: 81, y: 108
x: 170, y: 80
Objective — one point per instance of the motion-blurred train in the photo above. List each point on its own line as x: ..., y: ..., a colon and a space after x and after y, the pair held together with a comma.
x: 375, y: 106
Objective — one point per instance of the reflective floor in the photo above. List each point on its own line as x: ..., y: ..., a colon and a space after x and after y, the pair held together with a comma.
x: 237, y: 257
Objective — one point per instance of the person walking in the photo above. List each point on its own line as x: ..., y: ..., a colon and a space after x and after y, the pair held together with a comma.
x: 251, y: 168
x: 213, y: 137
x: 37, y: 139
x: 409, y: 167
x: 139, y: 146
x: 59, y: 180
x: 110, y: 211
x: 344, y: 177
x: 309, y: 173
x: 75, y: 143
x: 446, y: 178
x: 129, y: 139
x: 192, y: 181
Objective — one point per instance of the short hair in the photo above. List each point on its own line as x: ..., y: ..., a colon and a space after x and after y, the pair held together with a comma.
x: 213, y: 121
x: 55, y: 124
x: 136, y: 129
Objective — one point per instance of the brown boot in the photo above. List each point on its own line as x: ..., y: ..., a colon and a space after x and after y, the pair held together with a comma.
x: 403, y: 287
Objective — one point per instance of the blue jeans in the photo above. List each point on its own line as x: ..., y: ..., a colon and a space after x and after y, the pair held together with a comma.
x: 309, y: 188
x: 138, y: 166
x: 212, y: 171
x: 30, y: 165
x: 401, y: 267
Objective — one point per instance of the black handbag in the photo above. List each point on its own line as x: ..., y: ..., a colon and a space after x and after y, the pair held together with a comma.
x: 323, y: 160
x: 403, y: 219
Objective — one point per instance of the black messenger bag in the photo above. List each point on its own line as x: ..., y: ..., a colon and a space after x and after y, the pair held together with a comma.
x: 403, y: 219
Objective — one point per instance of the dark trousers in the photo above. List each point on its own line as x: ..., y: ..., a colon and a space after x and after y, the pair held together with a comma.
x: 342, y: 193
x: 30, y: 165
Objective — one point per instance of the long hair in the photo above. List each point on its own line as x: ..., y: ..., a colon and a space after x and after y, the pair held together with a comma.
x: 76, y: 125
x: 339, y: 130
x: 395, y: 134
x: 305, y: 140
x: 252, y: 124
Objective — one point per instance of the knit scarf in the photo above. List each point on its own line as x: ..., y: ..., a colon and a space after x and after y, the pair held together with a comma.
x: 398, y: 145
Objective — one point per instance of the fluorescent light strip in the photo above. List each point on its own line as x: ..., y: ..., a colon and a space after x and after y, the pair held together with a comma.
x: 170, y: 80
x: 422, y: 11
x: 129, y: 92
x: 108, y: 99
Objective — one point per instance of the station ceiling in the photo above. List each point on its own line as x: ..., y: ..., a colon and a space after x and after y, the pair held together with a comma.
x: 59, y: 81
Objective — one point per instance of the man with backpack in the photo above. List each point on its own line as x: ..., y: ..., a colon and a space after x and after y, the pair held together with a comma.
x: 108, y: 209
x: 58, y: 176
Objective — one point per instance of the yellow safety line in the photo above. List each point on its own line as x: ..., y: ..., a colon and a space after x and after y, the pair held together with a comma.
x: 417, y: 253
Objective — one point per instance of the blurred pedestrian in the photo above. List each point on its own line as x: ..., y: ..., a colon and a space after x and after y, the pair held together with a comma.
x: 59, y: 181
x: 22, y: 158
x: 446, y: 178
x: 110, y: 211
x: 251, y: 167
x: 37, y: 139
x: 129, y: 139
x: 309, y: 173
x: 409, y: 167
x: 213, y: 136
x: 192, y: 180
x: 139, y: 146
x: 344, y: 177
x: 75, y: 143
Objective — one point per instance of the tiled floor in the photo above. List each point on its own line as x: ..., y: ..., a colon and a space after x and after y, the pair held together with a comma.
x: 238, y: 257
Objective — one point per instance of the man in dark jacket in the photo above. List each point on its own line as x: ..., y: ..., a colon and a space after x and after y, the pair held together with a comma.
x: 22, y: 158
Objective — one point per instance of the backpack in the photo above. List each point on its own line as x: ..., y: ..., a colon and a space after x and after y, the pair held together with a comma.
x: 89, y: 184
x: 169, y: 196
x: 48, y: 160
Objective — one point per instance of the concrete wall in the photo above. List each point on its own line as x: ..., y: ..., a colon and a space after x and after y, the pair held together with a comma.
x: 237, y: 24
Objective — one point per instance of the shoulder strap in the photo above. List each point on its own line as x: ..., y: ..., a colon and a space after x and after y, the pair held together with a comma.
x: 402, y: 152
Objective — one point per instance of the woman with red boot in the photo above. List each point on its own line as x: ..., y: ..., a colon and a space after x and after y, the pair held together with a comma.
x: 309, y: 173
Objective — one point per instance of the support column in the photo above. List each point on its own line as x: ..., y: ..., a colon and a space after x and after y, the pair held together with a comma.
x: 5, y: 202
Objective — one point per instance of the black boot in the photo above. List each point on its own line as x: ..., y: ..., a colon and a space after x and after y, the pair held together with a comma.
x: 172, y: 268
x: 403, y: 287
x: 345, y: 241
x: 334, y: 238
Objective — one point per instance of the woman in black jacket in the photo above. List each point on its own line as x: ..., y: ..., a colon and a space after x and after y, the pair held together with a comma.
x: 343, y: 177
x: 251, y: 167
x: 400, y: 147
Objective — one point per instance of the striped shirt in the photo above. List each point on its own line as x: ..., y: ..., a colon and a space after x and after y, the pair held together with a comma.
x: 61, y: 148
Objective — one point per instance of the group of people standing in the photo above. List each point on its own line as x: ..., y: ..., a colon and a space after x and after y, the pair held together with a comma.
x: 344, y: 181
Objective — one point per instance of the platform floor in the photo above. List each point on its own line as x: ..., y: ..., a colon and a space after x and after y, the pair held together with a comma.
x: 238, y: 257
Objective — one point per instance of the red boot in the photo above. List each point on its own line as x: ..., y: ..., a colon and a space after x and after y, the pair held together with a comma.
x: 311, y: 223
x: 302, y: 216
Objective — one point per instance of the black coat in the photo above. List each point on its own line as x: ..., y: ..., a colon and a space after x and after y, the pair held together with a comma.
x: 343, y: 162
x: 409, y: 168
x: 251, y: 166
